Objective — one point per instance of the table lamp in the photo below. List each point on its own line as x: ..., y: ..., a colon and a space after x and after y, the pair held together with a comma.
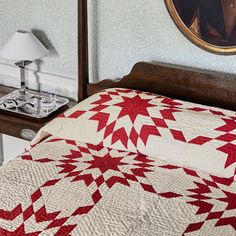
x: 24, y: 48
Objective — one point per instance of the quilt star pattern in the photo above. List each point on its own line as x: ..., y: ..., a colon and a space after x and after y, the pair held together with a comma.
x: 200, y: 137
x: 65, y: 187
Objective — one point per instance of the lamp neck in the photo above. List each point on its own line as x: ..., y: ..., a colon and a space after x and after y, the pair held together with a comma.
x: 23, y: 64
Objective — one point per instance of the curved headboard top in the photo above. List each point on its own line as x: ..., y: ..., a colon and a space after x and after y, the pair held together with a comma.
x: 189, y: 84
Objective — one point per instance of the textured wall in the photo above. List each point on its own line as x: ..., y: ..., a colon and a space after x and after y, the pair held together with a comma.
x: 55, y: 24
x: 142, y: 30
x: 121, y: 33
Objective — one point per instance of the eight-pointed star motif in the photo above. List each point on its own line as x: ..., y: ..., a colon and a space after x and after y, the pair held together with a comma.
x: 134, y: 106
x: 106, y: 163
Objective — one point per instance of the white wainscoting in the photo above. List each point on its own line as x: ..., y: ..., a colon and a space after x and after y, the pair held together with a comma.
x: 62, y: 85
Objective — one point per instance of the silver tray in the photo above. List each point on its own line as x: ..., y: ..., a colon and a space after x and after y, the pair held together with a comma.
x: 33, y: 97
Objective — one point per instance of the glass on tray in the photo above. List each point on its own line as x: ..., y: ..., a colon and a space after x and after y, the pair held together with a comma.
x: 48, y: 100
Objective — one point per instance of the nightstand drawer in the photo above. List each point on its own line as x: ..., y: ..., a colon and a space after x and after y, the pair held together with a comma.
x: 18, y: 128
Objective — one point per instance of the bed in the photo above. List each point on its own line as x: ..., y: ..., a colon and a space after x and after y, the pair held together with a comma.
x: 136, y: 157
x: 125, y: 162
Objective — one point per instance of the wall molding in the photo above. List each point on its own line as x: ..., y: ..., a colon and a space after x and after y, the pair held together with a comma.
x: 62, y: 85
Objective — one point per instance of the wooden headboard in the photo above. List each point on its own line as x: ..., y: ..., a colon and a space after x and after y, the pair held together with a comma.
x: 204, y: 87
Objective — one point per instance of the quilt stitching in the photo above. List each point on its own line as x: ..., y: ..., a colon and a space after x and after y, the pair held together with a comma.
x: 69, y: 167
x: 201, y: 197
x: 118, y: 167
x: 134, y: 106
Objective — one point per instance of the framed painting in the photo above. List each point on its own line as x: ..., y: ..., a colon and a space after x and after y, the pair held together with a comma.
x: 210, y: 24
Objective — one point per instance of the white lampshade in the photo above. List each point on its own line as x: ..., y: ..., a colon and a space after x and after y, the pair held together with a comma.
x: 23, y: 46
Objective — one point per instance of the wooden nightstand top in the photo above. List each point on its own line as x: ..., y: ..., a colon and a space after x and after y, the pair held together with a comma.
x: 12, y: 124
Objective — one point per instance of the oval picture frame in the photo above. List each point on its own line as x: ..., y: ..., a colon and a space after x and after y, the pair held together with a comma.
x: 224, y: 50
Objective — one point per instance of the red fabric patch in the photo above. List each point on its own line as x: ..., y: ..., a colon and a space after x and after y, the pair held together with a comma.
x: 194, y: 227
x: 102, y: 119
x: 11, y: 215
x: 65, y: 230
x: 230, y: 150
x: 169, y: 195
x: 134, y: 136
x: 120, y: 135
x: 76, y: 114
x: 36, y: 195
x: 148, y: 130
x: 82, y: 210
x: 227, y: 137
x: 160, y: 122
x: 200, y: 140
x: 178, y: 135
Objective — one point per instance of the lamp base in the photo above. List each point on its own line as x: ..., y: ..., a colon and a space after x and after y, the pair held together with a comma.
x: 18, y: 95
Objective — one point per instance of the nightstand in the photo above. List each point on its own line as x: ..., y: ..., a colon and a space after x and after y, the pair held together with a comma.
x: 21, y: 126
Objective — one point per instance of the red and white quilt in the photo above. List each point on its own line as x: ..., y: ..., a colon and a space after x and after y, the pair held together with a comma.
x: 125, y: 162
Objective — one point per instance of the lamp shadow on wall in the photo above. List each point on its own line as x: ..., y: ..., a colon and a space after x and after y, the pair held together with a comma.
x: 52, y: 52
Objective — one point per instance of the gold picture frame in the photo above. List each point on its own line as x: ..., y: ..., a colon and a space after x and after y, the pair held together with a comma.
x: 218, y: 49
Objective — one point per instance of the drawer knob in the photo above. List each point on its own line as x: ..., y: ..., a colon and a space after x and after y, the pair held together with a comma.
x: 28, y: 134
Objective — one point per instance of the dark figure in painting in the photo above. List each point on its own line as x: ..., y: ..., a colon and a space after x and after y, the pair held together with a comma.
x: 212, y: 20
